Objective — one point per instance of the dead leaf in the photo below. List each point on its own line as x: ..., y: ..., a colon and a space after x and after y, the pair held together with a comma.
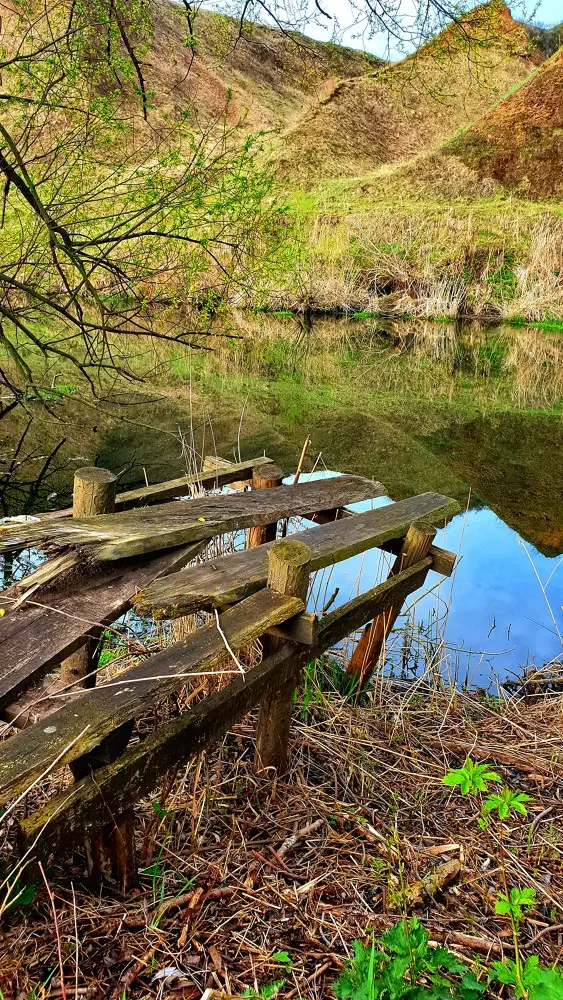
x: 215, y: 958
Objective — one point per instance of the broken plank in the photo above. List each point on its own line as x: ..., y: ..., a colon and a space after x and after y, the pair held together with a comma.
x: 213, y: 476
x: 232, y: 577
x: 148, y: 529
x: 61, y: 825
x: 83, y: 724
x: 38, y: 635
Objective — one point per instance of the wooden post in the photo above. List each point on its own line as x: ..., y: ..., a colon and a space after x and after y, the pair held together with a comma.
x: 110, y: 854
x: 289, y: 564
x: 416, y: 546
x: 93, y: 493
x: 265, y: 477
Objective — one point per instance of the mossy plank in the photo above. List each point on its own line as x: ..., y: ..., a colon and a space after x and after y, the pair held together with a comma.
x: 60, y: 826
x: 36, y: 637
x: 230, y: 578
x: 148, y: 529
x: 80, y: 726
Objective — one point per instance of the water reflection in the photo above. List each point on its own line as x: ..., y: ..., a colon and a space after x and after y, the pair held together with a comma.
x: 500, y: 613
x: 467, y: 412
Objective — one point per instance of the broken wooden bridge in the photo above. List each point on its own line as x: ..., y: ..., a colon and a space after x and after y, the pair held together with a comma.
x: 143, y: 549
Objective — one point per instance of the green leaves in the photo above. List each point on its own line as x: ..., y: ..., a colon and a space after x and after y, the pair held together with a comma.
x: 283, y: 957
x: 535, y: 982
x: 404, y: 967
x: 506, y: 801
x: 513, y: 905
x: 471, y: 778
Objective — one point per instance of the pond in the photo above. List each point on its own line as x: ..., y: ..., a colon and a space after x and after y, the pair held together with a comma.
x: 469, y: 412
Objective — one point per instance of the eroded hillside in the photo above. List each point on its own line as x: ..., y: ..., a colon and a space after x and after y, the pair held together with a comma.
x: 404, y: 108
x: 520, y: 142
x: 264, y: 76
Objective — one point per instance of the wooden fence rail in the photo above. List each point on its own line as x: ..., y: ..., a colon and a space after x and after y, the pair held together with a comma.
x: 262, y: 592
x: 61, y: 825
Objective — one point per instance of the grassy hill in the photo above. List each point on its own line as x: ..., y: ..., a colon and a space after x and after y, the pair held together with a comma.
x: 267, y: 77
x: 403, y: 108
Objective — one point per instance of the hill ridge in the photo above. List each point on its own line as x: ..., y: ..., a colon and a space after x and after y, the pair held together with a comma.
x: 519, y: 142
x: 403, y: 108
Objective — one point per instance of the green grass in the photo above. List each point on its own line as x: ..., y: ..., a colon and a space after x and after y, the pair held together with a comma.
x: 549, y: 325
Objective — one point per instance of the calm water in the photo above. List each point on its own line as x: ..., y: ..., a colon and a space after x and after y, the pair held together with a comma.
x: 469, y: 413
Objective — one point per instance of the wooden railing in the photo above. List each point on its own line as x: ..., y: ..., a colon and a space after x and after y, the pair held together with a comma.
x: 261, y: 593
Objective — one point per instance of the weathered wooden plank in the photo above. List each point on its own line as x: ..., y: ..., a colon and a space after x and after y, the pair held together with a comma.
x: 60, y: 826
x: 229, y: 579
x: 36, y: 637
x: 443, y: 561
x: 213, y: 475
x: 83, y: 724
x: 148, y: 529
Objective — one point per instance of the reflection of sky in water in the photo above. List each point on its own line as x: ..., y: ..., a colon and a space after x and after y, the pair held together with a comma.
x: 497, y: 608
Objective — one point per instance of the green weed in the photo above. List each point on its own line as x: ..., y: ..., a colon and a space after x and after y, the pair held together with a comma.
x: 403, y: 966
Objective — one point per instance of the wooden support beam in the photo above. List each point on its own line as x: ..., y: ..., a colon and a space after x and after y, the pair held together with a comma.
x: 267, y: 477
x: 60, y: 826
x: 289, y: 566
x: 81, y: 726
x: 110, y: 850
x: 416, y: 546
x: 303, y: 629
x: 93, y: 492
x: 217, y: 582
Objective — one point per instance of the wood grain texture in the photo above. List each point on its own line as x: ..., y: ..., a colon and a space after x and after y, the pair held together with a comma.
x: 93, y: 492
x: 37, y: 636
x: 230, y: 578
x: 63, y: 822
x: 135, y: 532
x: 443, y: 561
x: 81, y: 726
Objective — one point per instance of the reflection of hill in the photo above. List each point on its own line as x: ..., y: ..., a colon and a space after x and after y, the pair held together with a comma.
x: 513, y: 462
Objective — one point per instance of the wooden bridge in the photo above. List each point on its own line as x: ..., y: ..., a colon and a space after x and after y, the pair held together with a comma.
x: 139, y: 549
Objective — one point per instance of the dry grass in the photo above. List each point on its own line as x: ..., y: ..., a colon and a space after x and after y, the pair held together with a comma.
x: 223, y: 890
x: 485, y: 258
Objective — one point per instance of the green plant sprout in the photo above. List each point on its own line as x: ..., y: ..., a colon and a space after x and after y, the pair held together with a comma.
x: 403, y: 966
x: 529, y: 979
x: 472, y: 778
